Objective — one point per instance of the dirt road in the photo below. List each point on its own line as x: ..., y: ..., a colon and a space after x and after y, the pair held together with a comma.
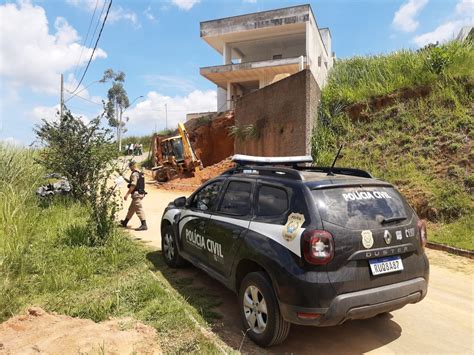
x: 442, y: 323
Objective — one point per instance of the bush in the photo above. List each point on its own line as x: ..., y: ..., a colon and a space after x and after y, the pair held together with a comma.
x: 86, y: 156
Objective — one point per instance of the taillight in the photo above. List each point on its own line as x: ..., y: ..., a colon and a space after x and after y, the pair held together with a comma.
x: 422, y: 232
x: 318, y: 247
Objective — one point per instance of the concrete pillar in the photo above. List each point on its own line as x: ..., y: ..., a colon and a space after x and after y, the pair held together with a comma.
x: 221, y: 99
x: 229, y: 95
x: 227, y: 54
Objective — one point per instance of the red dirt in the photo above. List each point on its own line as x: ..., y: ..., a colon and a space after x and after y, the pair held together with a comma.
x: 191, y: 183
x: 211, y: 140
x: 38, y: 332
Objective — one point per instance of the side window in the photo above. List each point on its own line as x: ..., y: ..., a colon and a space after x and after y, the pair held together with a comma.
x: 236, y: 200
x: 206, y: 199
x: 272, y: 201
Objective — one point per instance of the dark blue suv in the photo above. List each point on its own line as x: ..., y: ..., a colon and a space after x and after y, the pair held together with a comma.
x: 300, y: 244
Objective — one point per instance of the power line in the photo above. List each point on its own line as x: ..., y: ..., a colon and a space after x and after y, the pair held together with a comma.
x: 83, y: 98
x: 86, y: 38
x: 98, y: 21
x: 84, y: 88
x: 95, y: 47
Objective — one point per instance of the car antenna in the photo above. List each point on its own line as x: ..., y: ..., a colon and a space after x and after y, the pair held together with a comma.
x: 330, y: 173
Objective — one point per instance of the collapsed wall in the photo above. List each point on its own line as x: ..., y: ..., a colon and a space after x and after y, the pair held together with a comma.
x: 210, y: 137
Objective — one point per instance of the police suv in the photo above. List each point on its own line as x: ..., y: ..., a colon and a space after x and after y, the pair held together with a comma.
x: 298, y: 244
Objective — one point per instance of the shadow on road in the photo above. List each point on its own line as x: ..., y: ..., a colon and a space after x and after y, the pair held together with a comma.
x: 218, y: 306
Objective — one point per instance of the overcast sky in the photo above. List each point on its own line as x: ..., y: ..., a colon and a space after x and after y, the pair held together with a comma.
x: 157, y: 45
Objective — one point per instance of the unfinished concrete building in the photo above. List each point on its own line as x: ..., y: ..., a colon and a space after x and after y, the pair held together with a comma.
x: 259, y: 49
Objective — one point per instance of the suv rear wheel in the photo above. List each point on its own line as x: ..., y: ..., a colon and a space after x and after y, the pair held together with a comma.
x: 259, y: 311
x: 169, y: 249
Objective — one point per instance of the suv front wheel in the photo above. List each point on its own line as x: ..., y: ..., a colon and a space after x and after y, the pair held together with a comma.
x: 259, y: 311
x: 169, y: 248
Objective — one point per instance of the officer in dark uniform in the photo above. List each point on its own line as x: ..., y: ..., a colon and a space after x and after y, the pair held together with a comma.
x: 136, y: 189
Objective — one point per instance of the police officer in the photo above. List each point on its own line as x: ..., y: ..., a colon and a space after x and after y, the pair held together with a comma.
x: 136, y: 189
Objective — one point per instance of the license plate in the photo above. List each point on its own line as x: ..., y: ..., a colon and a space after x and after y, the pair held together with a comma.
x: 386, y: 265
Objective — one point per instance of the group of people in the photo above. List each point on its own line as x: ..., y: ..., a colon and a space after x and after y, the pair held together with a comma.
x: 134, y: 149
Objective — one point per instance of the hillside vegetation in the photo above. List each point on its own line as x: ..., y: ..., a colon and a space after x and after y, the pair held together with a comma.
x: 407, y: 117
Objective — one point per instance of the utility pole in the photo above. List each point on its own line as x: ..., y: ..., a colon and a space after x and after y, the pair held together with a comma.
x: 166, y: 115
x: 61, y: 104
x: 120, y: 130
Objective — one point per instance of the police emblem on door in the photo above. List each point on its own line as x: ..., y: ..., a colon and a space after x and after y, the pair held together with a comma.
x: 367, y: 239
x: 293, y: 224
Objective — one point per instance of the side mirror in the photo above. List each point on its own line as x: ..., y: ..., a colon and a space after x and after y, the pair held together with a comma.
x: 180, y: 202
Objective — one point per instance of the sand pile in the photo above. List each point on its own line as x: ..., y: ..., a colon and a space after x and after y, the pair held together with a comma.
x: 39, y: 332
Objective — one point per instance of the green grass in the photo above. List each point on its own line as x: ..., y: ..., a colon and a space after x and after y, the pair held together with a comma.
x: 458, y: 234
x: 424, y: 146
x: 359, y: 78
x: 45, y: 260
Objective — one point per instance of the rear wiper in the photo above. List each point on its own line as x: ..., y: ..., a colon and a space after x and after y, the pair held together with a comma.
x: 393, y: 219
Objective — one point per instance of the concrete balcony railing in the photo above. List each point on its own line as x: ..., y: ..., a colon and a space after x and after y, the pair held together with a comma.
x: 301, y: 61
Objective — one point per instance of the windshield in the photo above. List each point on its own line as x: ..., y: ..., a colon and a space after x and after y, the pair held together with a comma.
x: 361, y: 207
x: 178, y: 149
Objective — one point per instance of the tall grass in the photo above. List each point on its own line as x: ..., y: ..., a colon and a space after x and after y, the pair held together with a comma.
x: 46, y: 260
x: 18, y: 206
x: 359, y: 78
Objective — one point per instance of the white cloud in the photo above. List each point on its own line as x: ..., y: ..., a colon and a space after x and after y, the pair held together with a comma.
x: 250, y: 1
x: 462, y: 15
x: 149, y: 14
x: 404, y: 19
x: 185, y: 4
x: 51, y: 113
x: 11, y: 141
x: 151, y: 111
x: 32, y: 57
x: 465, y: 7
x: 442, y: 33
x: 116, y: 14
x: 119, y: 13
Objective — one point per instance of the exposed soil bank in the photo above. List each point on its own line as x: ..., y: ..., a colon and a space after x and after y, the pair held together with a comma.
x: 38, y: 332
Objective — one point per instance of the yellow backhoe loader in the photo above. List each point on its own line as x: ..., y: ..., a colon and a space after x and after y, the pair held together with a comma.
x: 174, y: 156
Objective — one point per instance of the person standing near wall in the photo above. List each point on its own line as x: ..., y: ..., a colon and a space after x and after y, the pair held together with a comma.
x: 136, y: 189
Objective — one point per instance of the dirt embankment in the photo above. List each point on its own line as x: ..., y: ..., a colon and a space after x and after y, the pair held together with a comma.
x: 211, y: 139
x: 38, y: 332
x: 200, y: 177
x: 362, y: 110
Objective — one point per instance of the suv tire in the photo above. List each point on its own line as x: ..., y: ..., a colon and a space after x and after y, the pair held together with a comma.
x: 169, y: 249
x: 259, y: 310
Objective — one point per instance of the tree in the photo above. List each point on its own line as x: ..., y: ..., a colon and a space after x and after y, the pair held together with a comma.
x: 117, y: 102
x: 85, y: 155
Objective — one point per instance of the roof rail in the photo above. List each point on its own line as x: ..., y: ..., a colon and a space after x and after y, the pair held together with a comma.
x: 241, y: 159
x: 341, y: 171
x: 281, y: 172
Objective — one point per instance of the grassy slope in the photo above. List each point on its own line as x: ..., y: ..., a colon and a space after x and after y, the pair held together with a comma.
x: 424, y: 145
x: 45, y: 261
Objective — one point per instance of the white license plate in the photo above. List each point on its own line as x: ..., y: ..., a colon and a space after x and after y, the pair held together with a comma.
x: 386, y: 265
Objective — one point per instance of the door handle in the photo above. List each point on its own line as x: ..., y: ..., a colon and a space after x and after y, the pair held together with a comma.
x: 202, y: 224
x: 236, y: 233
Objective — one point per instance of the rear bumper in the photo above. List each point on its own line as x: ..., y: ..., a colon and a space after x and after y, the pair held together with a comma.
x: 360, y: 304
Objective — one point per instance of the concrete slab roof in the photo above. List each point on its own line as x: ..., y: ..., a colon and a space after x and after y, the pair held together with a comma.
x: 255, y: 25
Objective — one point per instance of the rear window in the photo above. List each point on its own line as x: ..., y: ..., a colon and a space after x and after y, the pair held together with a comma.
x: 360, y: 207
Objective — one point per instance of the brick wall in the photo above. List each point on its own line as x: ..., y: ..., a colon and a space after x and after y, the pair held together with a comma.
x: 282, y: 116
